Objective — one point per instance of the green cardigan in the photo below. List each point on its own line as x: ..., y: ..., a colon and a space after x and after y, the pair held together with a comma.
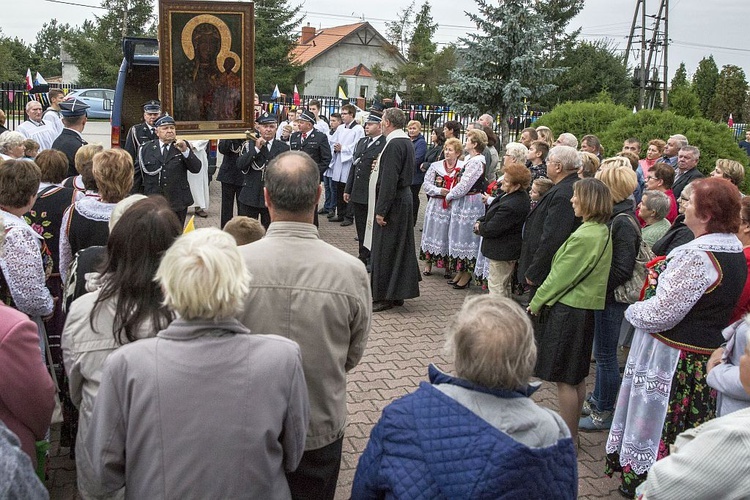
x: 572, y: 261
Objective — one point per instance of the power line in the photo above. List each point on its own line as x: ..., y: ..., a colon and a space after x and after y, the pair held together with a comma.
x: 77, y: 4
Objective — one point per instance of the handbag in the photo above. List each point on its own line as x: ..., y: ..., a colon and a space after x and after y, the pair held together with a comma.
x: 630, y: 291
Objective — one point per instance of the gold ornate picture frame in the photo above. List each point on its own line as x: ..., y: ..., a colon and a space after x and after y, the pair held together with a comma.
x: 206, y: 54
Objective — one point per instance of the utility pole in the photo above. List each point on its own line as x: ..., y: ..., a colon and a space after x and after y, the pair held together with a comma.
x: 651, y: 52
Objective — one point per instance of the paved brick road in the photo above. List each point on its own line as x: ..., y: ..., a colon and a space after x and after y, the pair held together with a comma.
x: 403, y: 341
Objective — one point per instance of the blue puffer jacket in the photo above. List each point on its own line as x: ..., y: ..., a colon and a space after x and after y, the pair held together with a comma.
x: 428, y: 446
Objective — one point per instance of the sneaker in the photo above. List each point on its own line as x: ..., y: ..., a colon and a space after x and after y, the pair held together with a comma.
x: 588, y: 405
x: 597, y: 421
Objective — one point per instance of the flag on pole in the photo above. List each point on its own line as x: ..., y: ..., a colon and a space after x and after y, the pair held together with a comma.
x: 342, y: 94
x: 730, y: 122
x: 397, y: 100
x: 29, y: 82
x: 296, y: 96
x: 276, y: 94
x: 39, y: 80
x: 634, y: 110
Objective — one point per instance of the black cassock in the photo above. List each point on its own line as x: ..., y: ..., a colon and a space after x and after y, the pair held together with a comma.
x: 395, y: 271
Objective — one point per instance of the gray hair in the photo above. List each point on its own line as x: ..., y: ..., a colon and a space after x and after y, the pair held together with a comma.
x: 10, y: 139
x: 488, y: 118
x: 396, y: 117
x: 292, y: 180
x: 517, y: 151
x: 658, y: 202
x: 203, y: 275
x: 692, y: 149
x: 567, y: 156
x: 681, y: 139
x: 492, y: 343
x: 31, y: 103
x: 568, y: 139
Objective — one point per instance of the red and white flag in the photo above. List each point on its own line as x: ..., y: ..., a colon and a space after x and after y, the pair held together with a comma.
x: 296, y: 96
x: 29, y: 81
x: 397, y: 100
x: 730, y: 122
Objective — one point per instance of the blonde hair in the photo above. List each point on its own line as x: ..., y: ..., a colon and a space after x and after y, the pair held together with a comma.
x: 454, y: 144
x: 545, y: 134
x: 732, y: 170
x: 113, y: 173
x: 589, y: 163
x: 594, y: 200
x: 414, y: 122
x: 85, y: 154
x: 492, y: 343
x: 478, y: 137
x: 617, y: 174
x: 203, y: 275
x: 244, y: 229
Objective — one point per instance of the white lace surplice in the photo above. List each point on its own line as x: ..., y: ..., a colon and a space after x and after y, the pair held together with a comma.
x: 644, y: 394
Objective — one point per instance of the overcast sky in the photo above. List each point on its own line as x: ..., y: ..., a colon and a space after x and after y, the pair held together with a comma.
x: 697, y: 28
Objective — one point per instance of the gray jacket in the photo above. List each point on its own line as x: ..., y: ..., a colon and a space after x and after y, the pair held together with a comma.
x: 319, y: 296
x: 204, y: 410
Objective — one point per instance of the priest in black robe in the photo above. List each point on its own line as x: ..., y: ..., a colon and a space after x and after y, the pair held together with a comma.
x: 395, y: 271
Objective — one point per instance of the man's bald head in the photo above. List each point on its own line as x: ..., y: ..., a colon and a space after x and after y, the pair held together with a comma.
x: 292, y: 183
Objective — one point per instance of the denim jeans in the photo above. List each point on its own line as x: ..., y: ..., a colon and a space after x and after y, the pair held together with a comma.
x: 330, y: 193
x: 606, y: 334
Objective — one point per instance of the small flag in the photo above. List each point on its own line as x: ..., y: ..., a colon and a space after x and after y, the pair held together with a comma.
x: 276, y: 94
x: 397, y: 100
x: 342, y: 94
x: 29, y: 83
x: 634, y: 110
x: 296, y: 96
x: 11, y: 95
x: 730, y: 122
x: 39, y: 80
x: 190, y: 226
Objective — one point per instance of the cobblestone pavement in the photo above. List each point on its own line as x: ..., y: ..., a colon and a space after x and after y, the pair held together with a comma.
x: 403, y: 341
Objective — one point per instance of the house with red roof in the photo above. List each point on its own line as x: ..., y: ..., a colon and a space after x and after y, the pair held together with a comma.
x: 347, y: 52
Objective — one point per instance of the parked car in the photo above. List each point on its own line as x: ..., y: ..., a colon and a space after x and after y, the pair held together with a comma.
x: 100, y: 101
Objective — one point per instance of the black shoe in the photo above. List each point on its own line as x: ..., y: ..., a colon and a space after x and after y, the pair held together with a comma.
x: 331, y: 214
x: 201, y: 213
x: 462, y: 287
x: 382, y: 305
x: 336, y: 219
x: 347, y: 222
x: 399, y: 302
x: 322, y: 211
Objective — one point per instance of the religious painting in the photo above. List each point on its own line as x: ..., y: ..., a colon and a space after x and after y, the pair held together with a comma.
x: 206, y: 65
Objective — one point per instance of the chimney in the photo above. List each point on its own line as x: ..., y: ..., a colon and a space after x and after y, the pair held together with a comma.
x: 308, y: 33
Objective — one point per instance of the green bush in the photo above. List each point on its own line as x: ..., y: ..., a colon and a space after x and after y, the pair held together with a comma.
x: 715, y: 140
x: 582, y: 118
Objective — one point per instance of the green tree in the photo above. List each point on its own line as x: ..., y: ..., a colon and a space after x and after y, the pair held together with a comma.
x: 399, y: 32
x: 422, y: 48
x: 558, y: 14
x: 684, y: 102
x: 591, y: 68
x: 276, y: 25
x: 502, y: 66
x: 704, y: 82
x: 97, y: 45
x: 680, y: 77
x: 47, y: 47
x: 730, y: 96
x: 15, y: 57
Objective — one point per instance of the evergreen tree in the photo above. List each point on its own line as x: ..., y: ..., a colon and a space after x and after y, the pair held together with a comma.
x: 502, y: 66
x: 276, y: 25
x: 704, y: 82
x: 421, y: 48
x: 730, y: 96
x: 558, y: 14
x: 684, y: 102
x: 680, y: 77
x: 15, y: 57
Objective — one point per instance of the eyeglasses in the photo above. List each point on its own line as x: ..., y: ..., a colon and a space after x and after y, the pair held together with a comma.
x: 651, y: 178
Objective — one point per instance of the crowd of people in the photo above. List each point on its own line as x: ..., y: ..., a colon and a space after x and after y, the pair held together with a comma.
x: 119, y: 324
